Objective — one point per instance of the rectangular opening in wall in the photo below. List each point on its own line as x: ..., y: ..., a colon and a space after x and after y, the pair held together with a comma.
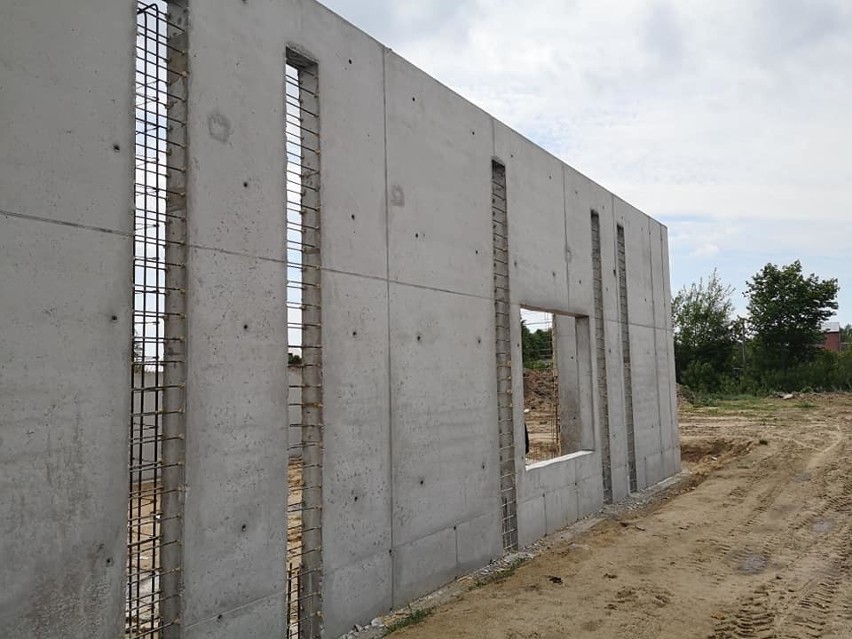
x: 600, y: 356
x: 557, y: 369
x: 503, y: 351
x: 542, y: 432
x: 154, y: 529
x: 304, y: 323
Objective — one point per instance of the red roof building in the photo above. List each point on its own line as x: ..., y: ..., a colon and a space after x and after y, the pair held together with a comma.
x: 831, y: 331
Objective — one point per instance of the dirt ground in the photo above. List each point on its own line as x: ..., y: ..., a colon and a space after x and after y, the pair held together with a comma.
x: 756, y: 542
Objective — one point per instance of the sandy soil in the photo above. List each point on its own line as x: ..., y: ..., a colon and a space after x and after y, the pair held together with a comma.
x: 756, y: 542
x: 540, y: 400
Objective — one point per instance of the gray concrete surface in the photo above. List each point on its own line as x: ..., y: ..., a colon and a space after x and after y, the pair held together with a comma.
x: 66, y: 107
x: 411, y: 486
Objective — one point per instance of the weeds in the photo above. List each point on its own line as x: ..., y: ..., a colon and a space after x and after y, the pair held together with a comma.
x: 411, y: 619
x: 500, y: 575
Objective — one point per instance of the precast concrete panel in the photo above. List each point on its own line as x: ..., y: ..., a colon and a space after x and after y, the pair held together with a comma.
x: 587, y: 466
x: 654, y: 468
x: 536, y: 215
x: 236, y: 445
x: 64, y: 404
x: 356, y: 410
x: 259, y: 619
x: 66, y: 215
x: 671, y: 391
x: 236, y: 178
x: 601, y: 203
x: 443, y: 410
x: 552, y: 477
x: 590, y: 495
x: 62, y: 140
x: 617, y: 421
x: 532, y: 523
x: 560, y: 508
x: 424, y: 564
x: 668, y: 421
x: 476, y: 543
x: 662, y: 337
x: 578, y: 206
x: 646, y: 405
x: 439, y: 150
x: 657, y: 285
x: 667, y: 285
x: 638, y: 255
x: 357, y: 593
x: 620, y: 482
x: 351, y: 88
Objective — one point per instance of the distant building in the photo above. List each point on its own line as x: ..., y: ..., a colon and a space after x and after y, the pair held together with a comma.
x: 831, y: 331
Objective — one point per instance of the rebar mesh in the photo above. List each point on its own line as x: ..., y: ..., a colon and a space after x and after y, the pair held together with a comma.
x: 626, y: 369
x: 503, y: 349
x: 304, y: 505
x: 541, y: 386
x: 600, y: 356
x: 157, y: 386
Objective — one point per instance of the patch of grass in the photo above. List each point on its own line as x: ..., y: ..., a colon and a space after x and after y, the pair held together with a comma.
x: 804, y: 404
x: 746, y: 403
x: 731, y: 403
x: 500, y: 575
x: 411, y: 619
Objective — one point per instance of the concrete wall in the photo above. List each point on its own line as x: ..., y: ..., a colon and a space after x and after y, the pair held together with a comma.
x: 236, y: 460
x: 66, y: 202
x: 411, y: 487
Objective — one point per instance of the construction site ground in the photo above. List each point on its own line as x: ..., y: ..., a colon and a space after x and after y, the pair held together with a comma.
x: 753, y: 540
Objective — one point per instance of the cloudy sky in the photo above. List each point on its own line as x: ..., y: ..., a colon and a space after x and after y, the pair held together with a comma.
x: 729, y: 120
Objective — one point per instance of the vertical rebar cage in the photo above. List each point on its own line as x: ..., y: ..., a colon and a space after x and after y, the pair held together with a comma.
x: 157, y: 375
x: 304, y: 505
x: 626, y: 369
x: 600, y: 356
x: 503, y: 349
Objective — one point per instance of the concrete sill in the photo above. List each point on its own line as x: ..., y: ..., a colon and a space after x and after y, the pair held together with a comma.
x: 558, y: 460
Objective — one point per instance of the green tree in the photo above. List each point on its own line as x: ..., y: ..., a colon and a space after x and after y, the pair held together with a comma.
x: 536, y: 346
x: 704, y: 335
x: 786, y: 311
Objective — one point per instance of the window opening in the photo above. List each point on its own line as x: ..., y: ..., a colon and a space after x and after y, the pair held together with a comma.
x: 542, y: 434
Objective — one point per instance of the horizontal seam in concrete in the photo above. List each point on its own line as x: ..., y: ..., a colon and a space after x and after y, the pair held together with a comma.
x: 130, y: 234
x: 638, y: 325
x: 435, y: 531
x: 76, y: 225
x: 281, y: 593
x: 409, y: 284
x: 383, y: 552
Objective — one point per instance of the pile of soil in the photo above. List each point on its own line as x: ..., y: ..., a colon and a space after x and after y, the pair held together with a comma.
x: 539, y: 390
